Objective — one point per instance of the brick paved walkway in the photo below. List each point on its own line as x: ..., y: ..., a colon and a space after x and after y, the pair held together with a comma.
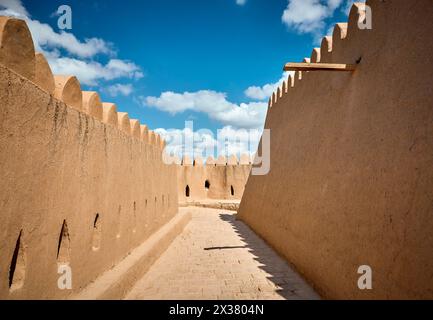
x: 217, y: 257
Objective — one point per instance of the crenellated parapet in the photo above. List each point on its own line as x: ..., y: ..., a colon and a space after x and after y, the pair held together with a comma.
x: 343, y: 46
x: 68, y: 90
x: 245, y: 159
x: 92, y: 104
x: 210, y: 161
x: 198, y: 161
x: 17, y: 53
x: 222, y: 160
x: 43, y: 75
x: 109, y: 114
x: 186, y: 161
x: 124, y: 122
x: 135, y: 129
x: 222, y: 178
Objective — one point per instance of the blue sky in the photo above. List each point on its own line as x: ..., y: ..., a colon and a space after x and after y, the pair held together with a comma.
x: 211, y: 61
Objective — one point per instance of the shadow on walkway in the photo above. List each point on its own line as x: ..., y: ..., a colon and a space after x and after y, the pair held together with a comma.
x: 290, y: 285
x: 227, y: 247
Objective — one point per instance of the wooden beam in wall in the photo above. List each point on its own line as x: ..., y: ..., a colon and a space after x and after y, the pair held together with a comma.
x: 305, y: 66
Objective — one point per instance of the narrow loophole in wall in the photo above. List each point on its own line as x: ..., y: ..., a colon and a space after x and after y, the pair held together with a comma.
x: 64, y: 246
x: 187, y: 191
x: 146, y: 212
x: 134, y: 208
x: 119, y: 222
x: 17, y: 269
x: 163, y: 200
x: 96, y: 241
x: 232, y: 191
x: 207, y: 185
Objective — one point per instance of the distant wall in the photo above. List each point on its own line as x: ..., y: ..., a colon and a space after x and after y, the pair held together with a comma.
x: 82, y: 184
x: 351, y: 175
x: 221, y: 179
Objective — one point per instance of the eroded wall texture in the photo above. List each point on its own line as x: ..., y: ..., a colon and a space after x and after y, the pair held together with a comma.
x: 351, y: 175
x: 82, y: 185
x: 221, y: 179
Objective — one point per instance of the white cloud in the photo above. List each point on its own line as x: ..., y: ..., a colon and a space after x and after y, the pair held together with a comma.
x: 45, y: 38
x: 203, y: 143
x: 241, y: 2
x: 309, y: 16
x: 238, y: 141
x: 119, y: 89
x: 334, y: 4
x: 305, y: 15
x: 68, y: 55
x: 349, y: 3
x: 212, y: 103
x: 265, y: 91
x: 14, y: 8
x: 90, y: 72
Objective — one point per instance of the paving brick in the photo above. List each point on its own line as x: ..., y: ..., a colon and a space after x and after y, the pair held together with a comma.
x: 236, y: 264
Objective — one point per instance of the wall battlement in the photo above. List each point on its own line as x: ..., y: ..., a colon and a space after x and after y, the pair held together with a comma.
x: 222, y: 179
x: 18, y: 54
x: 232, y: 160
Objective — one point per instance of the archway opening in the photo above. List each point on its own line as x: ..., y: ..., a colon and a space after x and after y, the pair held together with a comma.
x: 207, y: 185
x: 187, y: 191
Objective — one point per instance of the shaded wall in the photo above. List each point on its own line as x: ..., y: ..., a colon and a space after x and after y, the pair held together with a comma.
x: 351, y: 175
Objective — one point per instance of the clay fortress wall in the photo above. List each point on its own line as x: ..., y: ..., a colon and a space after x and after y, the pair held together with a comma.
x: 350, y: 183
x: 351, y: 175
x: 82, y: 184
x: 222, y: 179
